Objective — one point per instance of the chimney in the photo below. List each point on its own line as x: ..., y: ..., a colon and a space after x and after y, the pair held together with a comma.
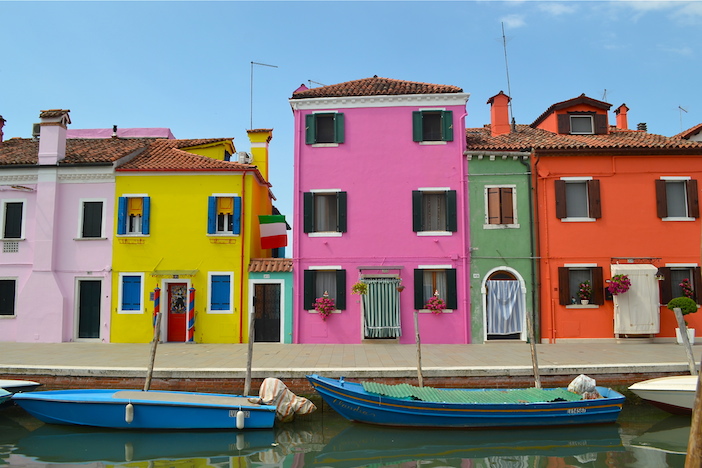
x: 499, y: 114
x: 642, y: 127
x: 2, y: 124
x: 259, y: 139
x: 52, y: 138
x: 114, y: 131
x: 622, y: 122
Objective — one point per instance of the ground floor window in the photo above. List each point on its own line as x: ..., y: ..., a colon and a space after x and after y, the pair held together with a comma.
x: 8, y: 291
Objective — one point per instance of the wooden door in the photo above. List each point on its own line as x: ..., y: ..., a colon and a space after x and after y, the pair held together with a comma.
x: 177, y: 301
x: 267, y: 312
x: 89, y: 308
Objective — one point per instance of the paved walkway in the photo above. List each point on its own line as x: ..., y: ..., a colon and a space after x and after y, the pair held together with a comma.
x: 181, y: 360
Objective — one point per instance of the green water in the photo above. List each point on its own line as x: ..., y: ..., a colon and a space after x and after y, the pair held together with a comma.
x: 642, y: 437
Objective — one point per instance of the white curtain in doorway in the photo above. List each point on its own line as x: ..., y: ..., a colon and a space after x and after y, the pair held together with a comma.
x: 637, y: 311
x: 504, y: 306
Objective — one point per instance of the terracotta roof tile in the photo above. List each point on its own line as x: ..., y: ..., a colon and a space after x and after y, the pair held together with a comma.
x: 375, y: 86
x: 270, y: 265
x: 689, y: 132
x: 78, y: 151
x: 527, y: 138
x: 169, y: 155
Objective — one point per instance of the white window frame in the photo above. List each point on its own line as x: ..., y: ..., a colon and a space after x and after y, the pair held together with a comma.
x: 581, y: 266
x: 435, y: 190
x: 486, y: 223
x: 432, y: 142
x: 126, y: 228
x: 578, y: 116
x: 16, y: 280
x: 326, y: 268
x: 141, y: 294
x: 23, y: 231
x: 324, y: 145
x: 230, y: 274
x: 81, y: 211
x: 687, y: 207
x: 579, y: 219
x: 325, y: 233
x: 435, y: 267
x: 225, y: 233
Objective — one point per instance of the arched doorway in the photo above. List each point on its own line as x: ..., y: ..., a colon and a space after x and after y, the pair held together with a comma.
x: 504, y: 305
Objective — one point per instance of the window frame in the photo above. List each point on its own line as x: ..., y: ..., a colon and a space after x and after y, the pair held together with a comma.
x: 309, y: 287
x: 14, y: 297
x: 418, y: 215
x: 212, y: 296
x: 123, y: 228
x: 311, y: 127
x: 666, y: 286
x: 120, y: 308
x: 596, y: 280
x: 593, y: 198
x: 445, y: 126
x: 505, y: 209
x: 599, y: 123
x: 212, y: 222
x: 22, y: 221
x: 310, y: 212
x: 692, y: 206
x: 81, y: 223
x: 451, y: 287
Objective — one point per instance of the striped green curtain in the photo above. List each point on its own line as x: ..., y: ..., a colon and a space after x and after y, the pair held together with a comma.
x: 381, y: 308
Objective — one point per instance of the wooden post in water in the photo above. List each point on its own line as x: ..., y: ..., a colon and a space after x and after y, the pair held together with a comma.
x: 686, y: 341
x: 419, y: 349
x: 249, y: 355
x: 534, y: 360
x: 694, y: 444
x: 154, y: 343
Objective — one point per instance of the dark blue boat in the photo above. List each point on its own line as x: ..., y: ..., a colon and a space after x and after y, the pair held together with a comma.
x: 405, y: 405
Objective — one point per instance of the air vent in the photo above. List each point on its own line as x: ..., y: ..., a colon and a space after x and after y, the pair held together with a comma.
x: 10, y: 247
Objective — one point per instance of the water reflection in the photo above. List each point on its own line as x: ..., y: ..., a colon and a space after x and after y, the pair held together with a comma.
x: 639, y: 439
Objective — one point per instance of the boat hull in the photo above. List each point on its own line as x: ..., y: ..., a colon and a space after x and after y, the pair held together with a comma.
x: 16, y: 386
x: 673, y: 394
x: 354, y: 403
x: 149, y: 410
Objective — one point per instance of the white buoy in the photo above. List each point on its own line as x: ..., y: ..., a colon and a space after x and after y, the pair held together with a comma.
x: 240, y: 419
x: 129, y: 413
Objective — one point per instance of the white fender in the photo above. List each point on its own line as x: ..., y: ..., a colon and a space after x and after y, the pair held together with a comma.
x: 129, y: 413
x: 240, y: 419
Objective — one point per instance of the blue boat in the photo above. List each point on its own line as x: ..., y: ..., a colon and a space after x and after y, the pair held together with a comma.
x: 406, y: 405
x: 135, y: 409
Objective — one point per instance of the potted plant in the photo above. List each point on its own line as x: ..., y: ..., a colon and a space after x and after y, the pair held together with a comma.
x: 359, y: 288
x: 324, y: 305
x: 435, y: 304
x: 686, y: 306
x: 585, y: 292
x: 619, y: 284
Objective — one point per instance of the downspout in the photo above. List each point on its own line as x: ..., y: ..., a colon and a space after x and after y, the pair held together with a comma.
x: 465, y: 240
x: 547, y: 269
x: 536, y: 316
x: 297, y: 274
x: 243, y: 252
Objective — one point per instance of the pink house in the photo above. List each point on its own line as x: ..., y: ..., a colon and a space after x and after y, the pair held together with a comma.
x: 380, y: 200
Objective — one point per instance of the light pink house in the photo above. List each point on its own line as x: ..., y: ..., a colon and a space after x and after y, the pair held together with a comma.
x: 380, y: 199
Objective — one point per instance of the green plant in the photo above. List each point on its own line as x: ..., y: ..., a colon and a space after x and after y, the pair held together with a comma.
x: 359, y: 288
x: 685, y: 304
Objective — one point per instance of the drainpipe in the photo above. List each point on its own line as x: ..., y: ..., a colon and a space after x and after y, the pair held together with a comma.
x: 297, y: 274
x: 465, y: 240
x: 536, y: 321
x: 243, y: 251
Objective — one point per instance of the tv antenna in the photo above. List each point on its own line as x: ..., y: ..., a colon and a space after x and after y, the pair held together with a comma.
x: 682, y: 109
x: 251, y: 93
x: 509, y: 88
x: 315, y: 82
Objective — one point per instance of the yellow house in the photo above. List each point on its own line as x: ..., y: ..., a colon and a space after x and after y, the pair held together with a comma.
x: 186, y: 227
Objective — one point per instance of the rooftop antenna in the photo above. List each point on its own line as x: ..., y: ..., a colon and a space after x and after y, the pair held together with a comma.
x: 509, y: 89
x: 252, y: 70
x: 315, y: 82
x: 682, y: 109
x: 604, y: 95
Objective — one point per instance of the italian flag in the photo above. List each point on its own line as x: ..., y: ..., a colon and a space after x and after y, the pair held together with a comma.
x: 273, y: 234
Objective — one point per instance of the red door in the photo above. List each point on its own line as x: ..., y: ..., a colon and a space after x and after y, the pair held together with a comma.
x: 177, y: 308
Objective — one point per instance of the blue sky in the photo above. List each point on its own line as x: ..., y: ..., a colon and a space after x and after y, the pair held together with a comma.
x: 187, y: 65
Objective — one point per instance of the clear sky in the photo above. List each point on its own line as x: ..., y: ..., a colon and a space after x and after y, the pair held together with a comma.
x: 186, y: 65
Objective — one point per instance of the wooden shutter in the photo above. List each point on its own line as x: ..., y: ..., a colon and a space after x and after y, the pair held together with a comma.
x: 451, y: 211
x: 310, y: 121
x: 417, y: 126
x: 340, y: 302
x: 417, y: 224
x: 661, y: 199
x: 122, y: 215
x: 563, y: 285
x: 131, y: 290
x: 211, y: 215
x: 341, y: 198
x: 308, y: 211
x: 560, y: 195
x: 597, y: 286
x: 506, y: 205
x: 451, y: 289
x: 665, y: 285
x: 146, y: 216
x: 447, y: 125
x: 600, y: 121
x: 693, y: 204
x: 564, y: 124
x: 697, y: 284
x: 220, y: 292
x: 339, y: 128
x: 236, y: 218
x: 593, y: 198
x: 494, y: 215
x: 418, y: 289
x: 308, y: 289
x: 92, y: 219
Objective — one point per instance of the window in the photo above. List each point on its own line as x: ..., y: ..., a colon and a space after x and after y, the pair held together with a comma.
x: 569, y: 279
x: 676, y: 198
x: 220, y: 293
x: 91, y: 220
x: 131, y: 293
x: 319, y: 281
x: 673, y: 276
x: 500, y: 209
x: 133, y: 215
x: 582, y: 123
x: 324, y: 211
x: 432, y: 125
x: 224, y: 215
x: 434, y: 210
x: 324, y: 128
x: 578, y: 199
x: 428, y: 280
x: 13, y: 219
x: 8, y: 292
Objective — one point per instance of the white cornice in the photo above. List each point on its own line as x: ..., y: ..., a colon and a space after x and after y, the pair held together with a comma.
x: 402, y: 100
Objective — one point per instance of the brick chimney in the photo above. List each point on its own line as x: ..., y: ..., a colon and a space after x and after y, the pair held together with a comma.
x: 622, y: 123
x: 2, y: 124
x: 52, y: 136
x: 499, y: 114
x: 260, y: 138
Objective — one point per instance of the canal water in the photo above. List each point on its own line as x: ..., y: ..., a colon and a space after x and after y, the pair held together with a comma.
x: 643, y: 437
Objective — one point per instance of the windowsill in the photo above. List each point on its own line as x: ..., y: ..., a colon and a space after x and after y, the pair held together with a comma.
x: 133, y: 234
x: 324, y: 145
x: 90, y: 238
x: 19, y: 239
x: 223, y: 234
x: 429, y: 143
x: 220, y: 312
x: 500, y: 226
x: 434, y: 233
x: 130, y: 312
x: 681, y: 218
x: 578, y: 220
x: 325, y: 234
x: 427, y: 311
x: 312, y: 311
x: 582, y: 306
x: 5, y: 317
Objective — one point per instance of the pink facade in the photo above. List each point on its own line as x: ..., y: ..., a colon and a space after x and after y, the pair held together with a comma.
x: 377, y: 167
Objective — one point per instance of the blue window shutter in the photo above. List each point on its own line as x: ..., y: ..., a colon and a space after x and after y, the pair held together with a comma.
x: 447, y: 125
x: 221, y: 287
x: 211, y: 215
x: 145, y: 216
x: 122, y: 215
x: 131, y: 290
x: 236, y: 222
x: 339, y: 128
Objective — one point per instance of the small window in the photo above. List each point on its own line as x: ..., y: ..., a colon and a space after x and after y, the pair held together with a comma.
x: 500, y: 209
x: 569, y: 280
x: 92, y: 220
x: 677, y: 198
x: 324, y: 211
x: 133, y: 215
x: 220, y: 292
x: 131, y: 292
x: 317, y: 282
x: 224, y: 215
x: 324, y: 128
x: 434, y: 211
x: 8, y: 288
x: 432, y: 125
x: 578, y: 199
x: 429, y: 281
x: 680, y: 281
x: 13, y: 212
x: 581, y: 125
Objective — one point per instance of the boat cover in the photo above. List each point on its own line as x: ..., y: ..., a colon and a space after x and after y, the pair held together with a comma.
x: 274, y: 392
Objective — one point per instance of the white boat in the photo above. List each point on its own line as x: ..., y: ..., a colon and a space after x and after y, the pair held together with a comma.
x: 15, y: 386
x: 673, y: 394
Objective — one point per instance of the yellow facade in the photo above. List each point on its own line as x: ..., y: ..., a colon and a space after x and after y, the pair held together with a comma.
x: 178, y: 250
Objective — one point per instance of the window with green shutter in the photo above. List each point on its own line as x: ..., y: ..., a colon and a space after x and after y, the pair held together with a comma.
x: 324, y: 128
x: 317, y: 282
x: 12, y: 216
x: 434, y: 211
x: 324, y: 211
x: 432, y: 125
x: 431, y: 281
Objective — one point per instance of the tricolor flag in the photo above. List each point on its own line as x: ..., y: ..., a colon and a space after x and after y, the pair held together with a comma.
x: 273, y: 232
